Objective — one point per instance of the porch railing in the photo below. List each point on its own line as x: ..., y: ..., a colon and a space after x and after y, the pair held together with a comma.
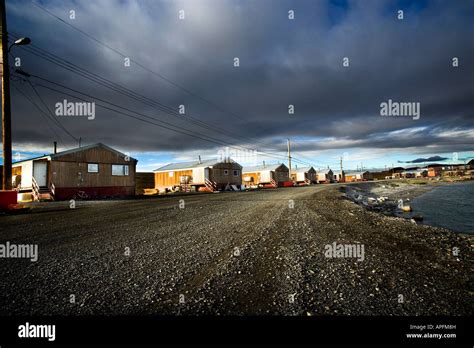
x: 35, y: 189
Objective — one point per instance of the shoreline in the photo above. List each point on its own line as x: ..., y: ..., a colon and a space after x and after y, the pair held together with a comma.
x: 386, y: 197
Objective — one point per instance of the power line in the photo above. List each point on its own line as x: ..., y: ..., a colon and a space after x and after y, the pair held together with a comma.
x: 123, y: 90
x: 42, y: 113
x: 134, y: 95
x: 160, y: 123
x: 50, y: 112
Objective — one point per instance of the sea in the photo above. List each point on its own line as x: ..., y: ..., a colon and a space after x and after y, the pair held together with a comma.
x: 450, y: 206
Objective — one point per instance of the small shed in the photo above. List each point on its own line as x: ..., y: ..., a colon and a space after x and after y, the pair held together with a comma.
x: 415, y: 173
x: 358, y: 176
x: 340, y: 177
x: 266, y: 174
x: 325, y: 176
x: 304, y: 175
x: 381, y: 174
x: 211, y: 175
x: 93, y: 171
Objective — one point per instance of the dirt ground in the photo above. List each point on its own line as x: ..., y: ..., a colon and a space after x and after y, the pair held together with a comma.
x: 246, y: 253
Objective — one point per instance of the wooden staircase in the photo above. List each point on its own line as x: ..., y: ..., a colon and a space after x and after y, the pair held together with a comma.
x: 274, y: 183
x: 211, y: 185
x: 42, y: 193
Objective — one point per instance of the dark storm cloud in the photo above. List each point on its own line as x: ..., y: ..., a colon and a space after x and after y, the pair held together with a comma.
x: 282, y: 62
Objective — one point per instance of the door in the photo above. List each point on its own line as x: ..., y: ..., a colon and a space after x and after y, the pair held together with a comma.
x: 40, y: 170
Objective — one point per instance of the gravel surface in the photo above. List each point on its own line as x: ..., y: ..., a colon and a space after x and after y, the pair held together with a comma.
x: 246, y: 253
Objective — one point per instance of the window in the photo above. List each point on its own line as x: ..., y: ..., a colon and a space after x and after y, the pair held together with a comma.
x: 119, y: 169
x: 92, y: 167
x: 236, y: 173
x: 170, y: 174
x: 226, y: 172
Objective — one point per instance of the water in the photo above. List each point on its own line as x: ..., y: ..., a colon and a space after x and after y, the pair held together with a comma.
x: 450, y: 206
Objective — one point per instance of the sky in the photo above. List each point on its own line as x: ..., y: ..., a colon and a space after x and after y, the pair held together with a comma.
x: 183, y: 53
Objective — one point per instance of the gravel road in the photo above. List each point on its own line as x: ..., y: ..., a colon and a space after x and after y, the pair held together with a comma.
x: 246, y: 253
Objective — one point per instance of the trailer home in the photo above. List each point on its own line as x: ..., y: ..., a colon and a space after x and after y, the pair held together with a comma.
x: 304, y: 175
x: 93, y: 171
x: 340, y: 177
x: 274, y: 175
x: 358, y: 176
x: 210, y: 175
x: 325, y: 176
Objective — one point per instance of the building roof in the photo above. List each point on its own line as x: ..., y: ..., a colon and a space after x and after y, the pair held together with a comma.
x: 324, y: 171
x: 357, y: 172
x: 261, y: 168
x: 87, y: 147
x: 302, y: 170
x: 192, y: 164
x: 77, y: 149
x: 31, y: 159
x: 414, y: 171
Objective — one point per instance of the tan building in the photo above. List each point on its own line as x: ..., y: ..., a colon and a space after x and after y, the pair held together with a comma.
x: 304, y: 175
x: 325, y: 176
x: 93, y: 171
x: 211, y: 175
x: 340, y: 177
x: 273, y: 175
x: 358, y: 176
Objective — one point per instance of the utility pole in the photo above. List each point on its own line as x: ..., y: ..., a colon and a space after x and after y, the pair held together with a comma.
x: 342, y: 172
x: 289, y: 157
x: 6, y: 107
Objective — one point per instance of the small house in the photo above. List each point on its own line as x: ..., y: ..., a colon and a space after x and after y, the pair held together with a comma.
x: 304, y: 175
x: 434, y: 171
x: 358, y: 176
x: 414, y: 173
x: 209, y: 175
x: 325, y: 176
x: 340, y: 177
x: 381, y: 174
x: 93, y: 171
x: 272, y: 175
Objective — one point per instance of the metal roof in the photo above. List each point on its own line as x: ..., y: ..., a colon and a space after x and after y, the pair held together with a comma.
x: 414, y: 171
x: 78, y: 149
x: 357, y: 172
x: 193, y: 164
x: 262, y: 168
x: 30, y: 159
x: 87, y: 147
x: 302, y: 170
